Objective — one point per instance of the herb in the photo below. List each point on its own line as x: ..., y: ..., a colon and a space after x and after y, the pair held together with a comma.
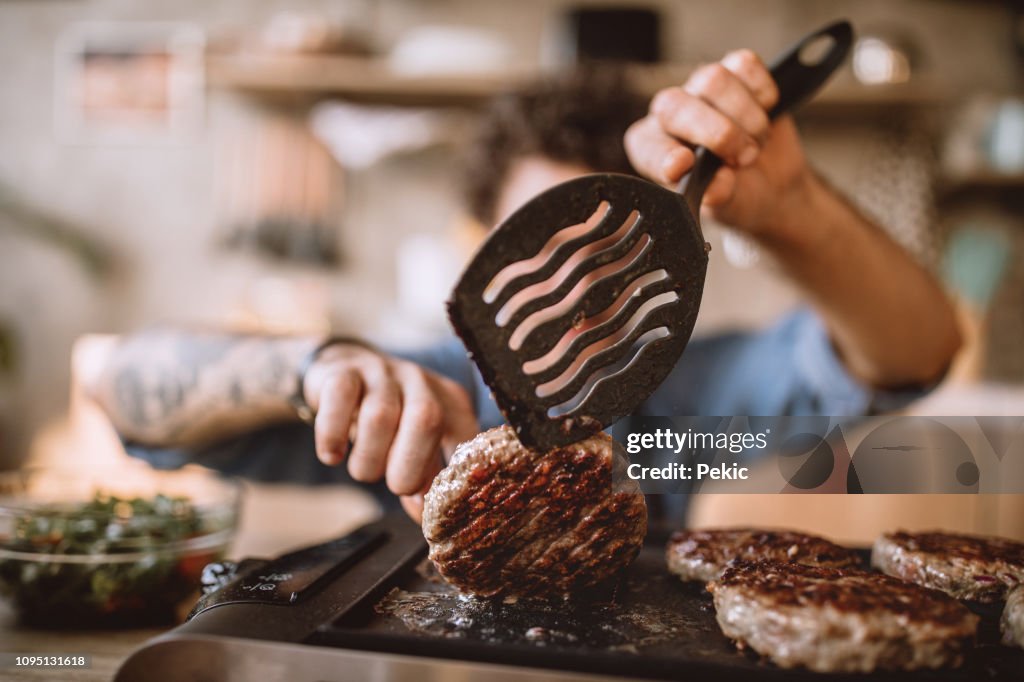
x: 144, y: 585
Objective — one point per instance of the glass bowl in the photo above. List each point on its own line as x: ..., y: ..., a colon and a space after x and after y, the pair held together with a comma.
x: 110, y: 549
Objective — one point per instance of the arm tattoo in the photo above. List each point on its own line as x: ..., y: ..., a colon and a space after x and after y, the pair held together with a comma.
x: 128, y: 393
x: 172, y: 387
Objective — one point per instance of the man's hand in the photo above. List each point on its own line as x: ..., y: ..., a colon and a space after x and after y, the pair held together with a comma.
x: 888, y: 318
x: 723, y: 106
x: 397, y: 415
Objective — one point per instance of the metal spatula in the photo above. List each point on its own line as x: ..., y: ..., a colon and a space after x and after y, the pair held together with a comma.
x: 579, y: 304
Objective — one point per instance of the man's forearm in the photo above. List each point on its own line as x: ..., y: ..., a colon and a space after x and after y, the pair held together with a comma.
x: 174, y: 388
x: 889, y: 318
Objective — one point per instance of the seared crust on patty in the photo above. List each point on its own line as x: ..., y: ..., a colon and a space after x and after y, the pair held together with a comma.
x: 1012, y: 622
x: 504, y: 520
x: 704, y: 554
x: 833, y: 620
x: 964, y: 566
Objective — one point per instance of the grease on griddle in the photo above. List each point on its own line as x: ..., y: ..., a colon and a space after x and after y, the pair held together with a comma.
x: 428, y: 571
x: 611, y: 627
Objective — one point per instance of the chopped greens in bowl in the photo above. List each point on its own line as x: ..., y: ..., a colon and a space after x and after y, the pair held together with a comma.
x: 112, y: 560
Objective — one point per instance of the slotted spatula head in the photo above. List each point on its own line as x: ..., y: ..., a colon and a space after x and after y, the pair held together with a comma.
x: 651, y: 257
x: 579, y: 304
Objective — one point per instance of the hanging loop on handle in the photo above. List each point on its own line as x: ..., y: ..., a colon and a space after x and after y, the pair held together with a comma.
x: 798, y: 76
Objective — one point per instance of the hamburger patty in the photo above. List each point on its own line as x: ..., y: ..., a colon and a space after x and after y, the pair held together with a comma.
x: 505, y: 520
x: 703, y: 554
x: 1012, y: 622
x: 836, y: 620
x: 963, y: 566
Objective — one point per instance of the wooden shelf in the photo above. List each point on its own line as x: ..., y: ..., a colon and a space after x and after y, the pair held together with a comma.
x: 983, y: 182
x: 357, y: 78
x: 371, y: 80
x: 987, y: 178
x: 842, y: 95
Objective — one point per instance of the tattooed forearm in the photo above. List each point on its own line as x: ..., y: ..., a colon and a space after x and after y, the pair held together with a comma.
x: 175, y: 388
x: 128, y: 394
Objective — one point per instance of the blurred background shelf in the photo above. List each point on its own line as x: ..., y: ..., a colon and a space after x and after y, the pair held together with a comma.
x: 986, y: 178
x: 982, y: 183
x: 312, y: 77
x: 367, y: 79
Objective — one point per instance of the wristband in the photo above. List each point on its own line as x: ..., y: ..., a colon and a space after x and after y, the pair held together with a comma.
x: 298, y: 399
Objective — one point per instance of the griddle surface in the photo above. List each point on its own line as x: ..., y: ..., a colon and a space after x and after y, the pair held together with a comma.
x: 656, y: 628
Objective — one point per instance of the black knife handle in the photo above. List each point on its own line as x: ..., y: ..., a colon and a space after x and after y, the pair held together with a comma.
x: 796, y: 79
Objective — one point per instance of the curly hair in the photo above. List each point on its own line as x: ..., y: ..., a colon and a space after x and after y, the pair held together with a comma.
x: 579, y: 117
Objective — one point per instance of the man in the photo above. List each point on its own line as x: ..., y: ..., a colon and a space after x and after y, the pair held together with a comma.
x: 881, y: 329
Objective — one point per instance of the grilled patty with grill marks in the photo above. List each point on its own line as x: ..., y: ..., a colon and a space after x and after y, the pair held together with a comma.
x: 963, y: 566
x: 504, y: 520
x: 703, y: 554
x: 837, y: 620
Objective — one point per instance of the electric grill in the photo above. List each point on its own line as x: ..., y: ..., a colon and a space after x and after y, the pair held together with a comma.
x: 334, y: 612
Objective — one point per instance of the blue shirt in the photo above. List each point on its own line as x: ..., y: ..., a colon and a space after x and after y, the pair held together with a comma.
x: 791, y: 368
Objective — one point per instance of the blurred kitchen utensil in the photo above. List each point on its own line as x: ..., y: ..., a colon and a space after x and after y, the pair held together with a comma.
x: 292, y: 32
x: 626, y: 34
x: 1006, y: 137
x: 281, y: 192
x: 974, y: 263
x: 884, y: 56
x: 516, y: 306
x: 448, y: 50
x: 360, y: 135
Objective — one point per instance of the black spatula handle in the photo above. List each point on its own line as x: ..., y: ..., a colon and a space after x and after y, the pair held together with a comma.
x: 796, y: 80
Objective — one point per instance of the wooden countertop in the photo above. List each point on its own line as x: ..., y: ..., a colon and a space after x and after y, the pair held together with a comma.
x: 275, y: 519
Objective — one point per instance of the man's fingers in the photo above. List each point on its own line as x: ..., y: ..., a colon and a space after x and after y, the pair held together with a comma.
x: 339, y: 397
x: 414, y: 452
x: 655, y: 153
x: 379, y: 413
x: 398, y: 412
x: 413, y: 506
x: 693, y: 120
x: 722, y: 106
x: 723, y: 90
x: 460, y: 419
x: 749, y: 68
x: 437, y: 413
